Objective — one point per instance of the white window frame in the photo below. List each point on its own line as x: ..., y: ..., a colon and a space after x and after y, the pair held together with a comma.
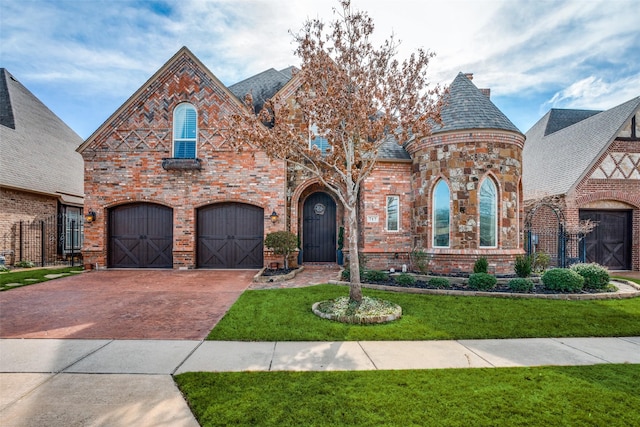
x: 433, y: 214
x: 495, y: 210
x: 314, y: 137
x: 388, y: 215
x: 185, y: 140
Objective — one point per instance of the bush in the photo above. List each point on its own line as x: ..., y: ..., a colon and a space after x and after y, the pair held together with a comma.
x: 282, y: 243
x: 24, y: 264
x: 562, y: 280
x: 375, y: 276
x: 482, y: 281
x: 404, y: 279
x: 439, y: 282
x: 481, y: 265
x: 420, y: 259
x: 3, y: 268
x: 522, y: 266
x: 541, y: 261
x: 521, y: 284
x: 595, y: 275
x: 346, y: 274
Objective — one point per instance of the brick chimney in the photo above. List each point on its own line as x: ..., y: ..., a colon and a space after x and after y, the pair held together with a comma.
x: 486, y: 92
x: 469, y: 76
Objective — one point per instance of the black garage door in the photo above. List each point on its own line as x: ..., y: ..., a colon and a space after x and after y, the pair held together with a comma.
x: 609, y: 244
x: 140, y: 236
x: 230, y: 235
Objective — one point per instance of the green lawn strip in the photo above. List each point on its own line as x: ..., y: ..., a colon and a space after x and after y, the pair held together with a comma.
x: 285, y: 315
x: 577, y: 395
x: 31, y: 276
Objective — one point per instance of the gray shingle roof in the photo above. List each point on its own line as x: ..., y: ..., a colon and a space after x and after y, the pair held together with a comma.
x: 262, y: 86
x: 562, y: 118
x: 38, y: 152
x: 554, y: 163
x: 468, y: 108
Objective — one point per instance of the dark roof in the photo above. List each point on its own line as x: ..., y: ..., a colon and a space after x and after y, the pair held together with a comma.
x: 6, y: 110
x: 391, y: 150
x: 562, y: 118
x: 468, y: 108
x: 553, y: 164
x: 262, y: 86
x: 37, y: 149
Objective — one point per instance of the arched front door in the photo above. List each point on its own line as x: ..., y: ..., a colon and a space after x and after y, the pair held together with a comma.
x: 319, y: 229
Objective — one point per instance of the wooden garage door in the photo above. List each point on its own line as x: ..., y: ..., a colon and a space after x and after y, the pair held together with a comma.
x: 230, y: 235
x: 140, y: 236
x: 609, y: 244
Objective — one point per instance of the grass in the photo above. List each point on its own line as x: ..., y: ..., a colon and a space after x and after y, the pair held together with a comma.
x: 570, y: 396
x: 31, y: 276
x: 628, y: 278
x: 285, y: 315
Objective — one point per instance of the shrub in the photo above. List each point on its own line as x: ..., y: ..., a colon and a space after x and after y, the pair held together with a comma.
x: 404, y: 279
x: 375, y: 276
x: 522, y: 266
x: 482, y: 281
x: 24, y: 264
x: 521, y: 284
x: 3, y: 268
x: 562, y: 280
x: 541, y: 261
x: 420, y: 260
x: 481, y: 265
x: 346, y: 274
x: 439, y: 282
x: 595, y: 275
x: 282, y: 243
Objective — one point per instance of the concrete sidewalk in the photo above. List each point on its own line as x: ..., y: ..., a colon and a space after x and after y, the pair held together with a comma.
x: 54, y: 382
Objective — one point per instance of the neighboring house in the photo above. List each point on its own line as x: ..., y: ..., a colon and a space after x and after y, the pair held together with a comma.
x: 41, y: 179
x: 169, y: 192
x: 585, y: 165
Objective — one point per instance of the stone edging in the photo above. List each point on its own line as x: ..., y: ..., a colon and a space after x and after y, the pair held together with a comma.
x: 599, y: 296
x: 259, y: 278
x: 358, y: 320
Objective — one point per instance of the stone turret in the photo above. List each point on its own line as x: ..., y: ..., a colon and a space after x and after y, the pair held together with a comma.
x: 475, y: 143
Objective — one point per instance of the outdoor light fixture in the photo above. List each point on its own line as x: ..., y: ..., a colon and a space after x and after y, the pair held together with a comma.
x: 274, y: 217
x: 90, y: 216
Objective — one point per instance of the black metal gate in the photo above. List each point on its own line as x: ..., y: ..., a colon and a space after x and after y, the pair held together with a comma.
x: 54, y: 240
x: 545, y: 232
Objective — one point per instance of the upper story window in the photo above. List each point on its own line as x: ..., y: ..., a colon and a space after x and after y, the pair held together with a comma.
x: 393, y: 213
x: 317, y: 140
x: 441, y: 215
x: 488, y: 214
x: 185, y: 131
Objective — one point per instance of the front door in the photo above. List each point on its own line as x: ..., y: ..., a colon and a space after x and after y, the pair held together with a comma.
x: 319, y: 229
x: 609, y: 244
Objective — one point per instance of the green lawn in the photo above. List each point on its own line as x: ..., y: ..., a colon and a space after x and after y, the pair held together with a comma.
x: 31, y: 276
x: 285, y: 315
x: 600, y: 395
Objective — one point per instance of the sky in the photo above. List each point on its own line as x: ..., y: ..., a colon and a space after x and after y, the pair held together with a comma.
x: 84, y: 58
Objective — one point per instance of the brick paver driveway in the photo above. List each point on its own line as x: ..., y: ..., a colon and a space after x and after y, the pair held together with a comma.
x: 123, y: 304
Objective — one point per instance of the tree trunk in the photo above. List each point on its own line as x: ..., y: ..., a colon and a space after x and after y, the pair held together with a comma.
x: 355, y: 288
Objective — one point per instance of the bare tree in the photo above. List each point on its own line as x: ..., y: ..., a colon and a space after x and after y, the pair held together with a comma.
x: 356, y: 96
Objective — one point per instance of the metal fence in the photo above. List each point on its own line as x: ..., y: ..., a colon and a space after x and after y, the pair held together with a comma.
x: 55, y: 240
x: 563, y: 248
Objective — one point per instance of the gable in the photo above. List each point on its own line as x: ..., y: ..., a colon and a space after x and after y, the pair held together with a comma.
x: 144, y: 121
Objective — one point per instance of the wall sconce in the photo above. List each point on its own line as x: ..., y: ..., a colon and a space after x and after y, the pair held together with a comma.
x: 90, y: 216
x: 274, y: 217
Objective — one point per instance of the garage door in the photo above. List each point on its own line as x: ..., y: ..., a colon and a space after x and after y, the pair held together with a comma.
x: 140, y: 236
x: 230, y: 235
x: 609, y: 244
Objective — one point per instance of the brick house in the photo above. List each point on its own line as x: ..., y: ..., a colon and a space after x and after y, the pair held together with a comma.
x: 584, y: 164
x: 41, y: 178
x: 169, y: 192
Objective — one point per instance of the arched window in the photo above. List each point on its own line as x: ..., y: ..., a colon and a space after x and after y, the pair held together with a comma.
x: 488, y: 214
x: 185, y: 131
x: 441, y: 214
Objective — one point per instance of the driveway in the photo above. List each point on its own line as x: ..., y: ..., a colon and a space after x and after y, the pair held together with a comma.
x: 123, y: 304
